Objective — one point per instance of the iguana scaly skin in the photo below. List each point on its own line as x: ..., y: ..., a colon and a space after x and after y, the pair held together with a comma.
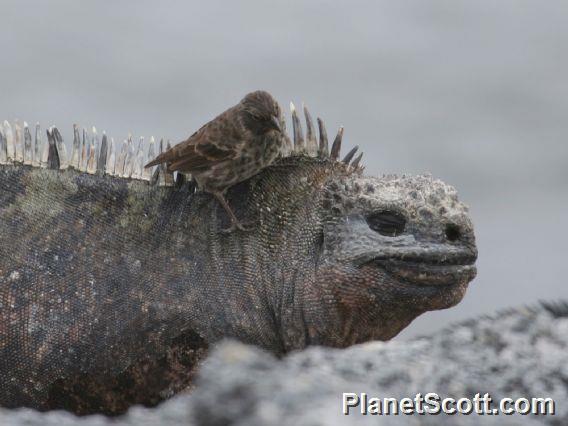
x: 111, y: 289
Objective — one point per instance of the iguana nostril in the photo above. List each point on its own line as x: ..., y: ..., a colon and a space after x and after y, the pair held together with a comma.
x: 452, y: 232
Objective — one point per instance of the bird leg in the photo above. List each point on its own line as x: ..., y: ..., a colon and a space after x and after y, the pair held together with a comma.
x: 235, y: 224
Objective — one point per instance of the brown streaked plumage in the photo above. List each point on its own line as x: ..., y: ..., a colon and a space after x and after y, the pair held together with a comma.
x: 231, y: 148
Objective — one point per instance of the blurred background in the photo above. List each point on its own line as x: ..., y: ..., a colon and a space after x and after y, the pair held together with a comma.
x: 475, y: 92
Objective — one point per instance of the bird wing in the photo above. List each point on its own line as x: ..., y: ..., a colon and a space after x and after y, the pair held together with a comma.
x: 215, y: 142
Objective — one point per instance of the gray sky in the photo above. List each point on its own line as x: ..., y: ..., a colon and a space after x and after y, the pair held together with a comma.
x: 474, y: 92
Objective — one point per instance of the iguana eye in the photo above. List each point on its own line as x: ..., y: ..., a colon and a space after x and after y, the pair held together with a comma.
x: 387, y: 222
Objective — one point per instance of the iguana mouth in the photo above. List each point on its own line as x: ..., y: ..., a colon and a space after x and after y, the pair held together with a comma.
x: 435, y: 270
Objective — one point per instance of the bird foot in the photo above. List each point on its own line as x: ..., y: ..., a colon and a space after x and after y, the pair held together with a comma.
x: 244, y: 227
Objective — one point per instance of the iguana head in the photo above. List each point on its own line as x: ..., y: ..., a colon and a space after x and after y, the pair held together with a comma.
x: 393, y: 248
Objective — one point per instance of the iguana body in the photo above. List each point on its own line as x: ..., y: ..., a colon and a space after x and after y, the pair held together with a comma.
x: 107, y: 282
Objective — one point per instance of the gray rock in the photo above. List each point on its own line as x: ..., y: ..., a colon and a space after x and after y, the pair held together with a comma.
x: 176, y: 411
x: 519, y: 353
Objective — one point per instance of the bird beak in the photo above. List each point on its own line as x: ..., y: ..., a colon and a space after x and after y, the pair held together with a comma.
x: 276, y: 123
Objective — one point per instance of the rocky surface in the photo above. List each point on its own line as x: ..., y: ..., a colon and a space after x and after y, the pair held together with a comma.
x: 519, y: 353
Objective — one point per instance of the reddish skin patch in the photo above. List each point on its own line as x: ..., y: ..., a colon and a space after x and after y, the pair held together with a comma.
x: 379, y: 308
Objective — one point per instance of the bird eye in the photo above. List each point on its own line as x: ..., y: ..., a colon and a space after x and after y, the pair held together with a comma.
x: 387, y: 222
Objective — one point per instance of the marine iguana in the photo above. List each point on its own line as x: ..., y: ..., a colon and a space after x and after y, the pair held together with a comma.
x: 111, y: 288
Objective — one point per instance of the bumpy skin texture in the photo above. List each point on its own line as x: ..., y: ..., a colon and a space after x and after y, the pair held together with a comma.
x: 105, y: 282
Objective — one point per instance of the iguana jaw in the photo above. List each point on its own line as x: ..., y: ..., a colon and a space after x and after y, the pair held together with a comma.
x: 438, y: 269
